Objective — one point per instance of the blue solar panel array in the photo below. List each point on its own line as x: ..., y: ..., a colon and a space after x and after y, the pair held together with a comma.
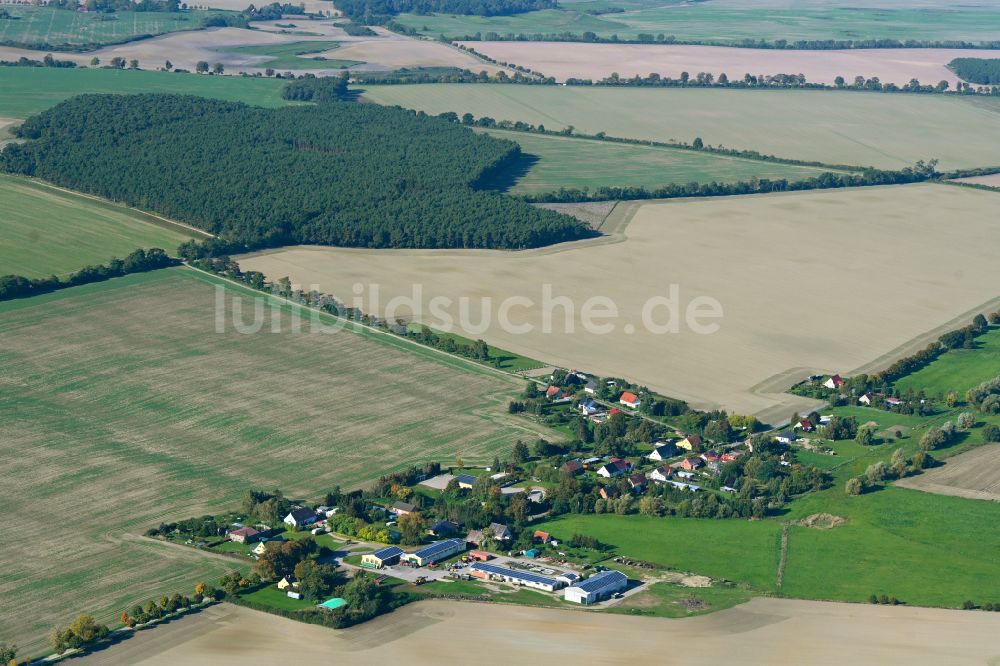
x: 602, y: 580
x: 387, y: 552
x: 515, y: 573
x: 439, y: 547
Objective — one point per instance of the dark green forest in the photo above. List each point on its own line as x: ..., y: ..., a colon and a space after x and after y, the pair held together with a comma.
x: 380, y: 11
x: 341, y: 173
x: 984, y: 71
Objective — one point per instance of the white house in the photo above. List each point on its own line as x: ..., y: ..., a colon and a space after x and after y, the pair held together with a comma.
x: 834, y: 382
x: 301, y: 517
x: 598, y: 587
x: 663, y: 451
x: 613, y: 469
x: 630, y: 399
x: 661, y: 474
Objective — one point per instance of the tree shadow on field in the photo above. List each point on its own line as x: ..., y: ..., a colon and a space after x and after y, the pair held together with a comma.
x: 506, y: 177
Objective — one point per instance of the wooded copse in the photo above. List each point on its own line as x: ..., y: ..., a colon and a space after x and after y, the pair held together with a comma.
x: 984, y: 71
x: 346, y: 174
x: 380, y: 11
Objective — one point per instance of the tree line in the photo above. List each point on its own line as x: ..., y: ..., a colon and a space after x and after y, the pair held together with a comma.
x: 139, y: 261
x: 779, y: 44
x: 358, y: 175
x: 382, y: 11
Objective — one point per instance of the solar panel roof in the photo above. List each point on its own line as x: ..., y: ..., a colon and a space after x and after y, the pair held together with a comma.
x: 387, y: 552
x: 602, y: 580
x: 437, y: 547
x: 514, y: 573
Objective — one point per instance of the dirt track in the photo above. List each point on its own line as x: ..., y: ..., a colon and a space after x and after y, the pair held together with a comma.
x: 763, y: 631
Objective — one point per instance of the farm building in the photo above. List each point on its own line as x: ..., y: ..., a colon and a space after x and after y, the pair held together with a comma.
x: 514, y: 576
x: 597, y: 588
x: 243, y: 535
x: 383, y: 557
x: 434, y: 552
x: 333, y: 604
x: 480, y: 555
x: 301, y: 517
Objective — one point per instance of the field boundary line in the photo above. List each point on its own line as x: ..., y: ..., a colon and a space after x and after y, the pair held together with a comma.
x: 783, y: 558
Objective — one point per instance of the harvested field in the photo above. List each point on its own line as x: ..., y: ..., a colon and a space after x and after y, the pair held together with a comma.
x: 46, y: 231
x: 240, y: 50
x: 992, y: 180
x: 554, y: 162
x: 887, y: 131
x: 762, y: 631
x: 763, y: 258
x: 296, y: 55
x: 28, y: 90
x: 124, y: 407
x: 598, y: 61
x: 974, y: 474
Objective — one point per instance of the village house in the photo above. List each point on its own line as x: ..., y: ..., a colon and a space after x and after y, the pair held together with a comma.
x: 637, y: 482
x: 730, y: 456
x: 401, y: 508
x: 663, y: 451
x: 301, y: 517
x: 893, y: 402
x: 690, y: 443
x: 591, y: 387
x: 608, y: 492
x: 710, y: 456
x: 661, y: 474
x: 629, y: 399
x: 691, y: 464
x: 866, y: 399
x: 542, y: 537
x: 615, y: 468
x: 834, y: 382
x: 443, y: 528
x: 571, y: 467
x: 243, y: 535
x: 588, y: 407
x: 465, y: 481
x: 785, y: 437
x: 288, y: 581
x: 804, y: 425
x: 500, y: 532
x: 556, y: 394
x: 383, y: 557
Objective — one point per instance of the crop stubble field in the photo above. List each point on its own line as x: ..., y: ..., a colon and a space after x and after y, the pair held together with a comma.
x: 882, y: 130
x: 45, y: 231
x: 974, y: 474
x: 564, y: 60
x: 795, y: 274
x: 123, y: 407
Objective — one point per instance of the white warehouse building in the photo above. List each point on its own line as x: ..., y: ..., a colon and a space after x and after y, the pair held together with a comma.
x: 597, y: 588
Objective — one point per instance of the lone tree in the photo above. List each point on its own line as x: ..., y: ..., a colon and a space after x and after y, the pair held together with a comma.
x: 853, y: 487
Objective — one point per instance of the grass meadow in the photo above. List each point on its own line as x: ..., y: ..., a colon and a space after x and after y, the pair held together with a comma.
x: 46, y: 231
x: 28, y: 90
x: 124, y: 407
x: 729, y: 22
x: 957, y: 370
x: 553, y: 162
x: 846, y: 127
x: 42, y: 27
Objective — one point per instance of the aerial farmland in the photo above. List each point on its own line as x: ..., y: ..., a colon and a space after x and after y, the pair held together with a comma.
x: 391, y: 330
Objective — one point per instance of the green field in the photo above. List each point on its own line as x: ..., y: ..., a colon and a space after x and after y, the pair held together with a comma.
x: 731, y: 21
x: 45, y: 231
x: 122, y: 402
x: 553, y: 162
x: 28, y: 90
x: 279, y: 599
x: 957, y: 370
x: 64, y: 29
x: 887, y: 131
x: 668, y: 600
x: 291, y: 56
